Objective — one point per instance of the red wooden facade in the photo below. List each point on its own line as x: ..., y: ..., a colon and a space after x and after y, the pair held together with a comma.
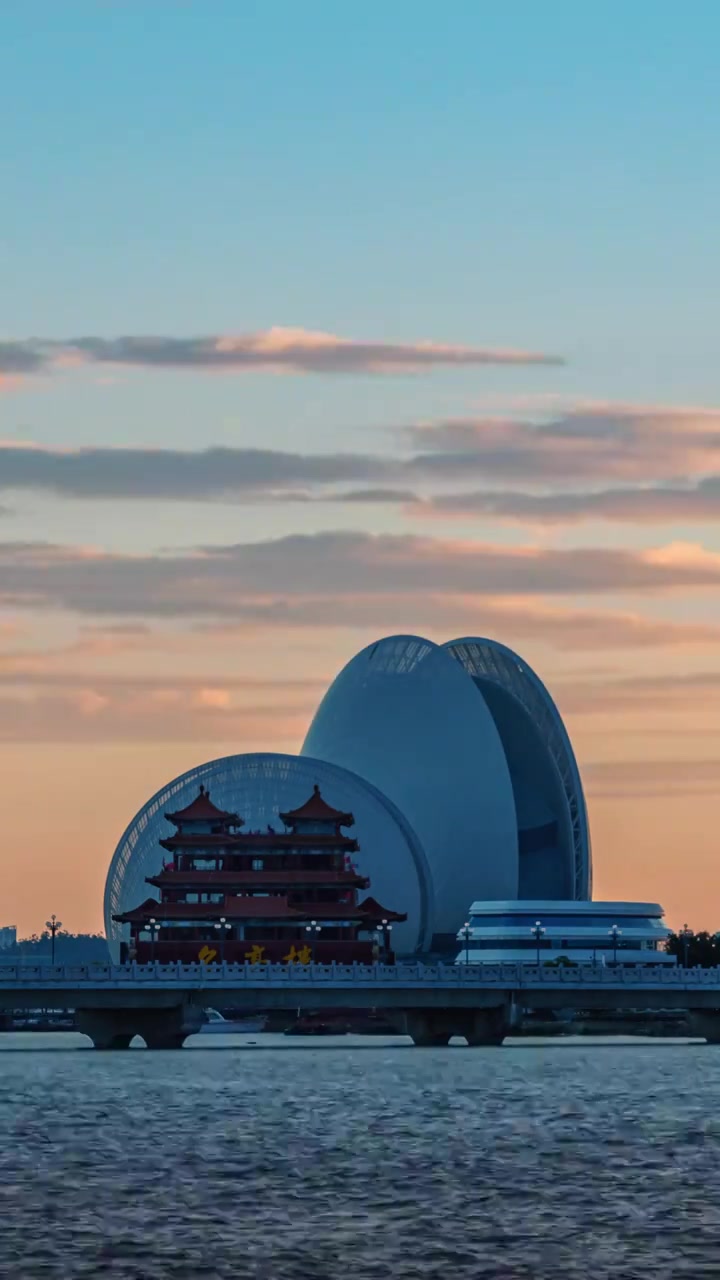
x: 289, y: 895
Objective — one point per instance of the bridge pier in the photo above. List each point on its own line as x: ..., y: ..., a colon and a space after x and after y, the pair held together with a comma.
x: 483, y: 1026
x: 706, y: 1023
x: 159, y: 1028
x: 427, y: 1029
x: 433, y: 1027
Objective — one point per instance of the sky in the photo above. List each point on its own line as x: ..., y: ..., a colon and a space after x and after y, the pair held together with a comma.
x: 320, y: 322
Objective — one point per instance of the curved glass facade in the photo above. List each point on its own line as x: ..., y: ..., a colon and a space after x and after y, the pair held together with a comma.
x: 550, y: 805
x: 258, y: 786
x: 467, y: 742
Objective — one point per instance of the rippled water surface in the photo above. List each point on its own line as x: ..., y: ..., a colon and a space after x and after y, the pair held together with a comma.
x: 315, y: 1161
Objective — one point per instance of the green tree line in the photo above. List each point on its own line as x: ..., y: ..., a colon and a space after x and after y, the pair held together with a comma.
x: 696, y: 950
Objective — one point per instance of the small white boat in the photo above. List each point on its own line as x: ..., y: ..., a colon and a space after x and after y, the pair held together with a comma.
x: 218, y: 1025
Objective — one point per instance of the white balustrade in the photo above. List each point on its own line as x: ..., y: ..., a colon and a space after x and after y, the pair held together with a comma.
x: 404, y: 974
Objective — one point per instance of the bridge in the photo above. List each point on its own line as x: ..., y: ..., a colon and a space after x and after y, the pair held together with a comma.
x: 165, y: 1003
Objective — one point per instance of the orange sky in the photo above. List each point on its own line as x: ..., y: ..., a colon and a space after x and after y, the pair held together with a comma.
x: 109, y: 717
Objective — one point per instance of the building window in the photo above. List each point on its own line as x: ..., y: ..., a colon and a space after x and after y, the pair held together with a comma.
x: 258, y: 864
x: 192, y: 897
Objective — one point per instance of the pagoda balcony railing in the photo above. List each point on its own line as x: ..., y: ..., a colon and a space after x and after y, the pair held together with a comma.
x: 508, y: 976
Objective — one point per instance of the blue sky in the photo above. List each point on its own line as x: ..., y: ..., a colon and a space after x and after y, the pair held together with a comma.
x: 535, y: 175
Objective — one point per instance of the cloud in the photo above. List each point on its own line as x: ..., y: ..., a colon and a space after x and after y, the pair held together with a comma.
x: 200, y: 475
x: 656, y: 695
x: 697, y: 503
x: 590, y: 442
x: 264, y: 581
x: 404, y: 497
x: 519, y: 622
x: 21, y: 357
x: 601, y: 462
x: 659, y: 779
x: 276, y: 350
x: 90, y: 715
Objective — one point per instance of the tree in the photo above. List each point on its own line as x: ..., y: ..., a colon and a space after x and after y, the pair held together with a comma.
x: 70, y: 948
x: 702, y: 949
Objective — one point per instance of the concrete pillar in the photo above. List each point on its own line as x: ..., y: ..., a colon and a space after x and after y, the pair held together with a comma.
x: 104, y: 1028
x: 427, y: 1028
x: 165, y: 1039
x: 486, y: 1027
x: 168, y: 1028
x: 159, y: 1028
x: 432, y: 1027
x: 706, y: 1023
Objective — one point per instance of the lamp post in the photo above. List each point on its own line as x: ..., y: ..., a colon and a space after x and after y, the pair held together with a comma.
x: 153, y: 927
x: 312, y: 928
x: 387, y: 930
x: 615, y: 933
x: 53, y: 924
x: 538, y: 931
x: 223, y: 929
x: 465, y: 931
x: 686, y: 934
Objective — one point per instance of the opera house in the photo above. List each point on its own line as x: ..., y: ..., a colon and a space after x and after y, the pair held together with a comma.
x: 458, y: 771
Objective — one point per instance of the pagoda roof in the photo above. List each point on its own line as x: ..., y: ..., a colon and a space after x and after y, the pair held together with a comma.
x: 262, y: 908
x: 249, y: 840
x: 169, y: 876
x: 202, y: 809
x: 316, y: 809
x: 371, y: 907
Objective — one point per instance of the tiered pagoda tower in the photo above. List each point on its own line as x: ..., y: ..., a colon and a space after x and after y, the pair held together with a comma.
x: 289, y: 896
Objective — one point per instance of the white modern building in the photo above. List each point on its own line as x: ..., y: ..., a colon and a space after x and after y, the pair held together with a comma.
x: 581, y: 932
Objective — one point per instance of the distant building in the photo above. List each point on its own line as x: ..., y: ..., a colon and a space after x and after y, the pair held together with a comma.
x: 280, y: 896
x: 458, y: 767
x: 8, y: 936
x: 581, y: 932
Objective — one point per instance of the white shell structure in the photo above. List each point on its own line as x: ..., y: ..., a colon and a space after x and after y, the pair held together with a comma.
x: 468, y: 744
x: 257, y: 787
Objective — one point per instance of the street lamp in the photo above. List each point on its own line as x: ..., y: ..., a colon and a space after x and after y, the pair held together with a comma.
x: 387, y: 930
x: 53, y: 924
x: 465, y: 931
x: 312, y: 928
x: 223, y: 929
x: 153, y: 927
x: 686, y: 934
x: 615, y: 933
x: 537, y: 932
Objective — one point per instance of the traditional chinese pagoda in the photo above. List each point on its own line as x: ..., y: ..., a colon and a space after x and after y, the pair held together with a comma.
x: 289, y: 896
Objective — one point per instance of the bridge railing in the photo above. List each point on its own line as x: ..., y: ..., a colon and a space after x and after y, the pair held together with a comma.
x: 403, y: 974
x: 294, y: 974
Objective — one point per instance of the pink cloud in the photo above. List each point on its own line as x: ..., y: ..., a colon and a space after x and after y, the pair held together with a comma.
x: 588, y: 442
x: 279, y: 350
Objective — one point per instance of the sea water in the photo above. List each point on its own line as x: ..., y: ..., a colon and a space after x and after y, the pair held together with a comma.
x: 316, y: 1160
